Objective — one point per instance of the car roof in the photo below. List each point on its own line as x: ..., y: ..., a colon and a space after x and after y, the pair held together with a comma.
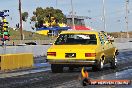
x: 79, y: 31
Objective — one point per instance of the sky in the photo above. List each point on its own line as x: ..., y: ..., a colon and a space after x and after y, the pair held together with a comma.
x: 115, y: 12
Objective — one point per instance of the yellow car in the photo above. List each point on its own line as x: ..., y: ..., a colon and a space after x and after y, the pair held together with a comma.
x: 81, y: 48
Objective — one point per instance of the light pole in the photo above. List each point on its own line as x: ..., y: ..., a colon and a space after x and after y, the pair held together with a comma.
x: 104, y: 16
x: 89, y: 11
x: 73, y: 24
x: 56, y: 4
x: 20, y: 13
x: 127, y: 1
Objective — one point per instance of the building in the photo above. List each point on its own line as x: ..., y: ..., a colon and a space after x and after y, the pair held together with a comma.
x: 79, y: 25
x: 78, y: 21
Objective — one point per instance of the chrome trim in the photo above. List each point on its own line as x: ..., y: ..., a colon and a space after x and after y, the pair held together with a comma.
x: 76, y: 61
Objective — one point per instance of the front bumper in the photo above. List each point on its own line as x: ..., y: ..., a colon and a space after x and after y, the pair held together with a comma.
x: 84, y: 62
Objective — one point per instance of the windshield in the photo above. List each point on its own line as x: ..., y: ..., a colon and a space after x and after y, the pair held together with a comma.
x: 71, y: 39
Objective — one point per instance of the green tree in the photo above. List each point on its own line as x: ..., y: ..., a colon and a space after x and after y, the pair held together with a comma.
x: 24, y: 16
x: 42, y: 15
x: 33, y: 18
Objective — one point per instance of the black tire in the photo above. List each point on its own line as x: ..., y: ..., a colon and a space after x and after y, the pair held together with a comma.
x: 94, y: 68
x: 56, y: 68
x: 99, y: 66
x: 113, y: 63
x: 84, y: 82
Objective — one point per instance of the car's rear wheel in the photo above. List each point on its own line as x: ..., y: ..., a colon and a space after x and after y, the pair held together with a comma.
x: 56, y: 68
x: 113, y: 63
x: 99, y: 66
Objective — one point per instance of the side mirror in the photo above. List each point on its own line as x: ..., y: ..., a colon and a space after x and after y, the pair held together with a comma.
x: 106, y: 42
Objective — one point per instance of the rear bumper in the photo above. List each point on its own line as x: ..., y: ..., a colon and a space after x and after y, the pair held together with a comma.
x: 72, y: 62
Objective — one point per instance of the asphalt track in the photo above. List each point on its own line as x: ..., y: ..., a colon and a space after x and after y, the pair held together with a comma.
x: 46, y: 79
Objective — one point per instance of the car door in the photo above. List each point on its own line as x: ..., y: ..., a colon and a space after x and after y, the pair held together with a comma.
x: 105, y: 47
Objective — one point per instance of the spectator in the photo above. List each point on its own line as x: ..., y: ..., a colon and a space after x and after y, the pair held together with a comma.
x: 13, y: 44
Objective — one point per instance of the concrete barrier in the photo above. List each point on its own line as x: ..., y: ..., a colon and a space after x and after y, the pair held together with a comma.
x: 122, y: 40
x: 16, y: 61
x: 125, y: 45
x: 40, y: 42
x: 37, y: 50
x: 41, y: 50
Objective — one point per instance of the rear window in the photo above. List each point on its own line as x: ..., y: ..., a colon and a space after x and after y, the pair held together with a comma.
x: 71, y: 39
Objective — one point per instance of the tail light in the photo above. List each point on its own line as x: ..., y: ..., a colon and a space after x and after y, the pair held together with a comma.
x: 51, y: 53
x: 90, y: 54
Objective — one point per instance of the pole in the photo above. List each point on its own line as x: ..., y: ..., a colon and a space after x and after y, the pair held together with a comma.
x: 89, y: 11
x: 104, y: 16
x: 20, y: 12
x: 73, y: 24
x: 56, y: 4
x: 127, y: 1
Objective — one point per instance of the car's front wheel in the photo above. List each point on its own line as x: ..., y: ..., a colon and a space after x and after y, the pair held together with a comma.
x: 113, y: 62
x: 56, y: 68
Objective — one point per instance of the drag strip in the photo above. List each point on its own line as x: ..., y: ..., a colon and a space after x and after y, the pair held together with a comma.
x: 45, y: 79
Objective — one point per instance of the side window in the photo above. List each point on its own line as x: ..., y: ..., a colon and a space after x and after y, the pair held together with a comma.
x: 101, y: 40
x: 105, y: 38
